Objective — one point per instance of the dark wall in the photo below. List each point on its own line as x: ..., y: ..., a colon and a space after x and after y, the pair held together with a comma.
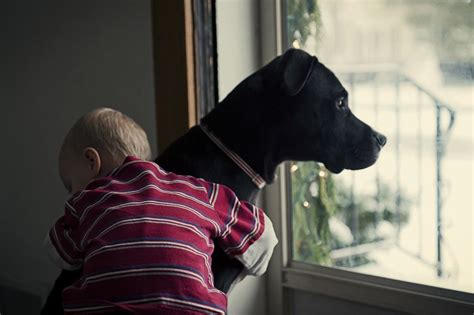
x: 59, y: 59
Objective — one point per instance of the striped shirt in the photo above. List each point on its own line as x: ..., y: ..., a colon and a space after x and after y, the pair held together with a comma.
x: 144, y: 238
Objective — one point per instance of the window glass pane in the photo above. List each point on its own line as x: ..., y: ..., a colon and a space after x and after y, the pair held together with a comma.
x: 407, y: 66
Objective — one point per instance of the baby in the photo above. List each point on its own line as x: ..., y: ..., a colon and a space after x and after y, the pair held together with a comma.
x: 143, y: 236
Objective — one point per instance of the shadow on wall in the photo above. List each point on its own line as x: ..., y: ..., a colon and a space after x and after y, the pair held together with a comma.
x: 14, y: 301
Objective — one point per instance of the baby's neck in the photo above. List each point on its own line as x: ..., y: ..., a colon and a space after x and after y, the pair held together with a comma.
x: 108, y: 165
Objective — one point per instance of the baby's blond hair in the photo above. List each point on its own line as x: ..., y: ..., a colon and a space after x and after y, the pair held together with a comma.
x: 109, y: 132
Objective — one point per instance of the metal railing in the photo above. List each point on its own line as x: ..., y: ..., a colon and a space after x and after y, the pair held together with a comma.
x: 369, y: 74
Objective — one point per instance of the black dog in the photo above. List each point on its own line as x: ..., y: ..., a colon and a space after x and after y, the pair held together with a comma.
x: 294, y: 108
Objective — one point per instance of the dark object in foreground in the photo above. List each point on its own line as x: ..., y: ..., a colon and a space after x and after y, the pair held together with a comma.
x: 295, y: 109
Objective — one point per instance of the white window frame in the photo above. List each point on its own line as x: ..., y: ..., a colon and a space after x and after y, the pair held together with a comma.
x: 285, y: 275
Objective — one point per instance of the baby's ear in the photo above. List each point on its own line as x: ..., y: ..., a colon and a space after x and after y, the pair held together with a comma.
x: 92, y: 158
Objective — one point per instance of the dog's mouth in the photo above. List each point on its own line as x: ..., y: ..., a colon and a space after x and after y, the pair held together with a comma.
x: 355, y: 158
x: 362, y: 157
x: 333, y: 168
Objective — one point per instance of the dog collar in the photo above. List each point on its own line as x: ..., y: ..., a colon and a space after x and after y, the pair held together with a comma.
x: 254, y: 176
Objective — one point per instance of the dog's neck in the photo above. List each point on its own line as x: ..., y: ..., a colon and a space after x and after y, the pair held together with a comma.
x: 228, y: 172
x: 243, y: 134
x: 240, y: 121
x: 247, y: 169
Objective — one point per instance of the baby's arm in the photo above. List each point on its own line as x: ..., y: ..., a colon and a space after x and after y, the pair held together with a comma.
x: 61, y: 243
x: 246, y: 232
x: 59, y: 248
x: 258, y: 254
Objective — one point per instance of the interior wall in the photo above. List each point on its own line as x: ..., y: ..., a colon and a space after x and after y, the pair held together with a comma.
x: 238, y: 42
x: 238, y: 47
x: 59, y: 60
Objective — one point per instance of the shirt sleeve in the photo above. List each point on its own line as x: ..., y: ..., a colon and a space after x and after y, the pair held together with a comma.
x: 60, y: 244
x: 247, y: 233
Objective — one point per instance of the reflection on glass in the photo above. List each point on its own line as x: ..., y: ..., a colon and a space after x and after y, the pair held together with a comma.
x: 408, y: 68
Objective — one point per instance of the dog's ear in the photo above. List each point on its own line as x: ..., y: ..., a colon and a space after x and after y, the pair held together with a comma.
x: 295, y: 69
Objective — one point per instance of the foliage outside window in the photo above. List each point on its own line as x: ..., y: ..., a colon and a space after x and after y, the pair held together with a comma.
x: 320, y: 202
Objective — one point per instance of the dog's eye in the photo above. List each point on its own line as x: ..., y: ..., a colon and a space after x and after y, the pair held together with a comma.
x: 340, y: 103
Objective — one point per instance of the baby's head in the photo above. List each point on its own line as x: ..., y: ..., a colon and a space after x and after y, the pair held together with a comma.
x: 97, y: 143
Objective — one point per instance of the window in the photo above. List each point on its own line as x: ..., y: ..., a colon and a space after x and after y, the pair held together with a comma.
x: 407, y: 66
x: 405, y: 223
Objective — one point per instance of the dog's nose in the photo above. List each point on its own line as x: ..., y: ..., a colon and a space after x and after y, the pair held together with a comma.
x: 381, y: 139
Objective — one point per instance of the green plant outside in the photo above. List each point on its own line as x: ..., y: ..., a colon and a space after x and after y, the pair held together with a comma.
x: 316, y: 197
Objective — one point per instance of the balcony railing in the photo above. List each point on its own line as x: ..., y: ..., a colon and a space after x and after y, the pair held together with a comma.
x: 391, y: 76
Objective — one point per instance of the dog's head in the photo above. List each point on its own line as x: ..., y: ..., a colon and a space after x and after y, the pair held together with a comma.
x: 295, y: 108
x: 312, y: 107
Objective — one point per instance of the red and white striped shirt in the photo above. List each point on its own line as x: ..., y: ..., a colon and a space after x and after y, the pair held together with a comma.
x: 144, y: 238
